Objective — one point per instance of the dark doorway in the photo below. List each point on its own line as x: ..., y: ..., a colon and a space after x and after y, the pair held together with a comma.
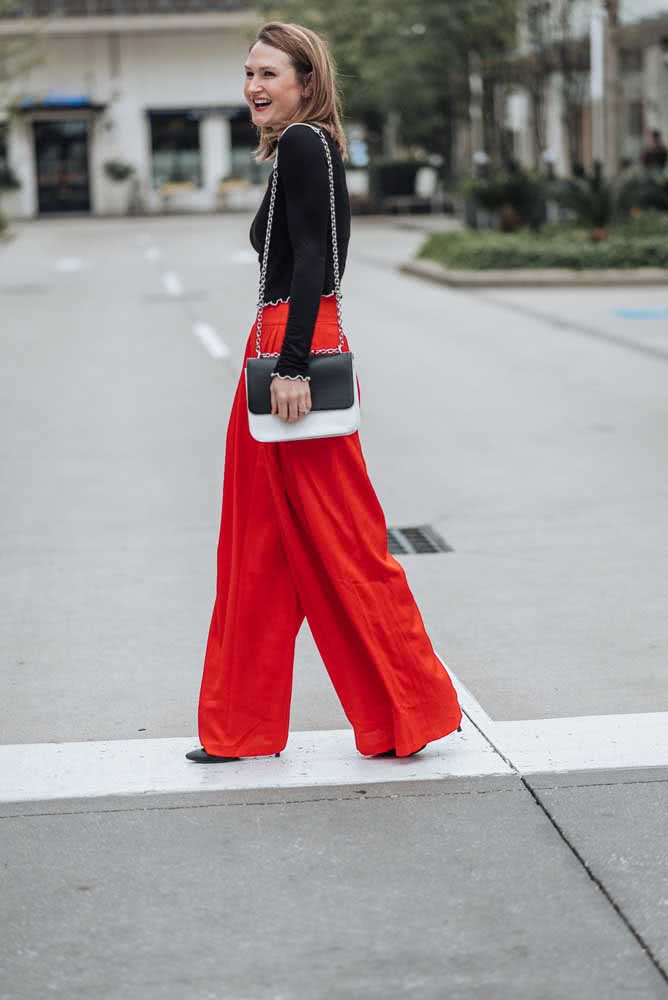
x: 61, y: 158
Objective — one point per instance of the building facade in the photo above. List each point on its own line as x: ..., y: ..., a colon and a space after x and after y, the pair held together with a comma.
x: 156, y: 85
x: 553, y: 117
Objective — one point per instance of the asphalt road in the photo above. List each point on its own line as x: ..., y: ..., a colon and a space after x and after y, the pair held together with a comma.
x: 529, y: 428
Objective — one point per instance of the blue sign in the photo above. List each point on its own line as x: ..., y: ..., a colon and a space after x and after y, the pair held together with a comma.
x: 52, y: 98
x: 661, y: 312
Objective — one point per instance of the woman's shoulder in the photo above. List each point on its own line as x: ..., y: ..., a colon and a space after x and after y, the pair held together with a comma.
x: 300, y: 150
x: 301, y: 135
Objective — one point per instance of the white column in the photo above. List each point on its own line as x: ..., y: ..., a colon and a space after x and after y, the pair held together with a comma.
x: 21, y: 204
x: 556, y: 144
x: 212, y: 139
x: 655, y: 89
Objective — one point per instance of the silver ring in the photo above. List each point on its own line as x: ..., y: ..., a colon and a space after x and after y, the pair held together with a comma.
x: 304, y: 411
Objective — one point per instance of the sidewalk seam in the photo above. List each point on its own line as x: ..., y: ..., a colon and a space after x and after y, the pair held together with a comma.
x: 597, y: 881
x: 356, y: 797
x: 579, y: 857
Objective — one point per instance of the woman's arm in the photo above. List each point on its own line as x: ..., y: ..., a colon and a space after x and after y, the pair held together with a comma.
x: 302, y: 170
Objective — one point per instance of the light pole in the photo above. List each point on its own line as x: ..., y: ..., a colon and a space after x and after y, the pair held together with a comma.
x: 597, y: 80
x: 605, y: 84
x: 613, y: 89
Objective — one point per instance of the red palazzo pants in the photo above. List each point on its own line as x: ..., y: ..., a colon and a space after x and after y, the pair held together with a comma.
x: 303, y: 534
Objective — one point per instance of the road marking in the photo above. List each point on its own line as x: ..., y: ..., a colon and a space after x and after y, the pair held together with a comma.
x: 658, y: 313
x: 582, y: 743
x: 485, y: 747
x: 44, y: 771
x: 469, y: 704
x: 214, y: 344
x: 70, y: 264
x: 152, y: 253
x: 171, y: 283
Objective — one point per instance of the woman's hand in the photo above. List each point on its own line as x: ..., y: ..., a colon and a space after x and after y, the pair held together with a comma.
x: 290, y: 398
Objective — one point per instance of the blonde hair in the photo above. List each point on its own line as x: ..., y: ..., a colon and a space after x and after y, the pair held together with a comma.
x: 308, y: 52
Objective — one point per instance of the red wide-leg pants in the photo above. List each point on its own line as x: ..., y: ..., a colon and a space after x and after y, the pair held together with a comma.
x: 303, y: 534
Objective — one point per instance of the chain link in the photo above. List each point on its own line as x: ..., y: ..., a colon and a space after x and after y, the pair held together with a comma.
x: 335, y: 254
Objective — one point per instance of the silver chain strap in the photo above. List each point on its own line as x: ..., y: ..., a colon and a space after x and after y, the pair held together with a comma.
x: 335, y: 253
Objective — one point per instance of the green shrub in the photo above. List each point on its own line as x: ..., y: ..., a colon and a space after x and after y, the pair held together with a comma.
x: 628, y: 246
x: 590, y: 197
x: 8, y: 179
x: 645, y: 190
x: 516, y: 196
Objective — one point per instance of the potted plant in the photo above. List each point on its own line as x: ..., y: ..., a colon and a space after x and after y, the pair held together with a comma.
x: 591, y: 199
x: 8, y: 182
x: 121, y: 175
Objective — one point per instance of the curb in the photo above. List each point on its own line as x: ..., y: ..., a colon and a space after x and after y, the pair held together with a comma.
x: 536, y: 278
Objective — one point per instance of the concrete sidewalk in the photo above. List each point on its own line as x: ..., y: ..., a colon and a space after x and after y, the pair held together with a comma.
x: 459, y: 888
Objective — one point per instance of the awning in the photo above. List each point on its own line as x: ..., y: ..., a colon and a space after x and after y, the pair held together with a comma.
x: 58, y: 102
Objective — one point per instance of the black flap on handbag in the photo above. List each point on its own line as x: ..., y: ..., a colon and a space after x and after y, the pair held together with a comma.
x: 331, y: 382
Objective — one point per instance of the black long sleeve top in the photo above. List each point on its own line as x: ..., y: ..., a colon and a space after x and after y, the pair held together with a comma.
x: 300, y: 266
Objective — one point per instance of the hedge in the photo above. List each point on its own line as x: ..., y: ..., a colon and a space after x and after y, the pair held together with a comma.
x: 641, y: 244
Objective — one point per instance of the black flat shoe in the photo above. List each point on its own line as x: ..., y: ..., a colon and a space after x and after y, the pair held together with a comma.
x: 202, y: 757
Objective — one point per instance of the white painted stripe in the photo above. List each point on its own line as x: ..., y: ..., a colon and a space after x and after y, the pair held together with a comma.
x: 70, y: 264
x: 44, y: 771
x: 469, y: 704
x: 172, y: 283
x: 213, y: 342
x: 152, y: 253
x: 595, y: 742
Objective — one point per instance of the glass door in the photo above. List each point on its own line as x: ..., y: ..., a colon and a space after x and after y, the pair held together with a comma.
x: 61, y: 159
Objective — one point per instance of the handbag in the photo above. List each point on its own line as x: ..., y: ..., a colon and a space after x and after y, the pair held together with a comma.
x: 335, y: 409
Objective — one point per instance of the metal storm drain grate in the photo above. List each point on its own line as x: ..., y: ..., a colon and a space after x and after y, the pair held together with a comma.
x: 416, y: 540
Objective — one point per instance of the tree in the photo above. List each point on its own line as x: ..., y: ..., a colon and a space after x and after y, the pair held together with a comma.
x: 409, y: 57
x: 17, y: 53
x: 551, y: 47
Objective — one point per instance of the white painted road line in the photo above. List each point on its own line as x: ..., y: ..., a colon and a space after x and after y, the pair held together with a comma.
x: 588, y: 742
x: 214, y: 344
x: 152, y: 253
x: 172, y: 283
x: 46, y: 771
x: 468, y: 702
x: 70, y: 264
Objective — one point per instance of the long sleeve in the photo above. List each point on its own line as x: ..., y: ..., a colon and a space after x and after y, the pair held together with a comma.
x: 302, y: 170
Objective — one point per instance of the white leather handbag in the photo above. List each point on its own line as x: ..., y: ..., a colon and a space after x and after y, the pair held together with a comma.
x: 333, y: 382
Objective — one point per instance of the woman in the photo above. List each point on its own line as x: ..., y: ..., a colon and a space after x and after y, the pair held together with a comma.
x: 302, y: 532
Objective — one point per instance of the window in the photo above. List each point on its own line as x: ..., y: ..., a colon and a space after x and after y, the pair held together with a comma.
x: 244, y: 138
x: 631, y: 60
x: 635, y: 118
x: 175, y: 147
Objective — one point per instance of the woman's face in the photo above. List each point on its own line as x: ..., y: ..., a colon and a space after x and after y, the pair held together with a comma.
x: 270, y: 76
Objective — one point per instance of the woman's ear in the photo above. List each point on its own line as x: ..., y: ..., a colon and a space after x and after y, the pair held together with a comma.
x: 308, y: 78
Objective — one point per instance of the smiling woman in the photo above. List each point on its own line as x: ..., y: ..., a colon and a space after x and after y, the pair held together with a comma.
x: 302, y: 532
